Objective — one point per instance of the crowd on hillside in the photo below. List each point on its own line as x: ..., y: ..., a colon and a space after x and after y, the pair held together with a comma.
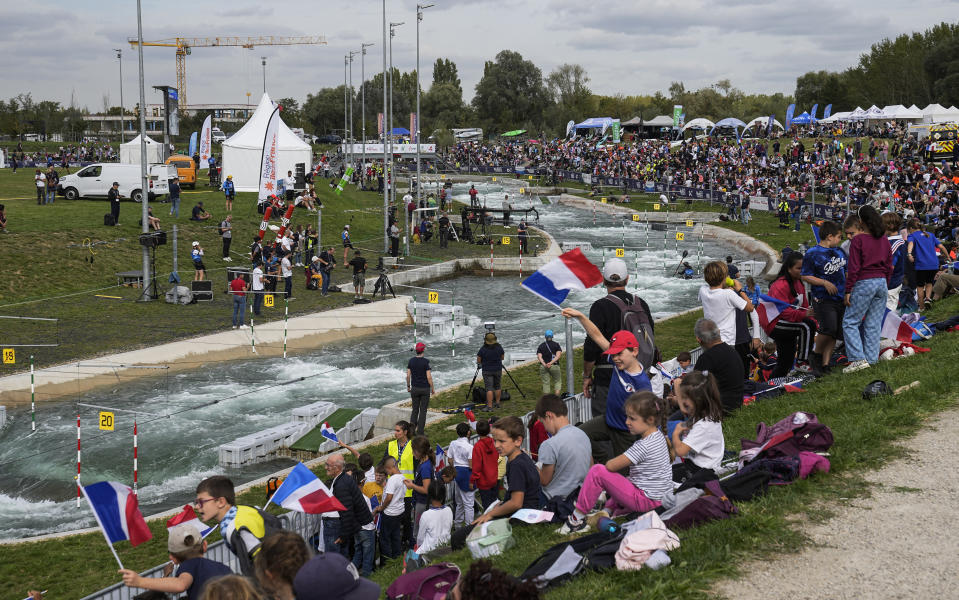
x: 63, y: 155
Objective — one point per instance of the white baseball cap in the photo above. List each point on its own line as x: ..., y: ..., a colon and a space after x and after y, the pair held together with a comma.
x: 196, y: 243
x: 615, y: 270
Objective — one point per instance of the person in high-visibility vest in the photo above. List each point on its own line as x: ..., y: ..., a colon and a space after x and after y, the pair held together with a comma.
x: 401, y: 450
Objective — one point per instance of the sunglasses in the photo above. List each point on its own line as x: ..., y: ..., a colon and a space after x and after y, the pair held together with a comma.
x: 199, y: 502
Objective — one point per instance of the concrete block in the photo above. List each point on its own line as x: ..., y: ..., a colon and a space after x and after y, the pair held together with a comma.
x: 388, y: 417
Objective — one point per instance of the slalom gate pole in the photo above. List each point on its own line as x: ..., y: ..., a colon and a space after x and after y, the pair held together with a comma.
x: 594, y: 212
x: 453, y: 326
x: 134, y: 455
x: 79, y: 490
x: 414, y: 318
x: 286, y: 318
x: 701, y: 227
x: 491, y: 258
x: 646, y: 220
x: 521, y: 260
x: 33, y: 399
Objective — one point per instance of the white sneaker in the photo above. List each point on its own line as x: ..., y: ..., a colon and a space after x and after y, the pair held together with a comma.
x: 243, y: 327
x: 571, y: 526
x: 227, y: 259
x: 859, y: 365
x: 234, y: 327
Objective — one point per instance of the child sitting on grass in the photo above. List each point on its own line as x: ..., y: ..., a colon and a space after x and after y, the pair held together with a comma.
x: 522, y: 478
x: 186, y: 548
x: 648, y: 460
x: 700, y: 439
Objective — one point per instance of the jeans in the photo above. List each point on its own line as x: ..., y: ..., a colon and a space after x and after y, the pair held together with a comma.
x: 298, y: 257
x: 421, y: 401
x: 288, y: 286
x: 257, y: 302
x: 51, y: 195
x: 624, y: 497
x: 175, y: 206
x: 331, y: 531
x: 365, y: 545
x: 239, y: 308
x: 745, y: 216
x: 327, y: 275
x: 391, y: 531
x: 41, y: 192
x: 868, y: 306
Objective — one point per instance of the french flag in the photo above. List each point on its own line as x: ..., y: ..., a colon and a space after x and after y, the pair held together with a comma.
x: 117, y: 512
x: 327, y: 432
x: 569, y: 271
x: 471, y: 419
x: 769, y: 310
x: 440, y: 458
x: 302, y: 491
x: 894, y: 328
x: 187, y: 515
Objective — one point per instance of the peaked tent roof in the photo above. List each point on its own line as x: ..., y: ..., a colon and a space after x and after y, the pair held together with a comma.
x: 250, y: 136
x: 700, y: 123
x: 596, y: 123
x: 763, y: 121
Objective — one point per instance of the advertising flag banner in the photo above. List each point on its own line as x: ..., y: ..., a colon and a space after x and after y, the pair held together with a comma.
x: 677, y: 111
x: 789, y: 116
x: 827, y: 112
x: 268, y: 166
x: 812, y: 113
x: 206, y: 142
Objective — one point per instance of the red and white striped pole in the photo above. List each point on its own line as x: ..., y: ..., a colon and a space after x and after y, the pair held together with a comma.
x: 521, y: 260
x: 79, y: 491
x: 134, y: 456
x: 491, y: 257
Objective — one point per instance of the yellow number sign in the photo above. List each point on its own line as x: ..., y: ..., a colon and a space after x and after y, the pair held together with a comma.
x: 506, y: 240
x: 522, y: 190
x: 106, y: 421
x: 9, y: 356
x: 531, y: 178
x: 442, y: 175
x: 268, y: 301
x: 620, y: 252
x: 603, y: 200
x: 636, y: 217
x: 494, y: 179
x: 680, y: 236
x: 434, y: 297
x: 689, y: 222
x: 656, y: 206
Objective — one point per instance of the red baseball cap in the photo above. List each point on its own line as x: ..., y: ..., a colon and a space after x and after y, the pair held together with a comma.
x: 420, y: 347
x: 620, y: 341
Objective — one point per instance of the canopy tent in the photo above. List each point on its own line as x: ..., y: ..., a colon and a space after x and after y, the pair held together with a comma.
x: 899, y: 112
x: 596, y: 123
x: 659, y: 121
x: 400, y: 131
x: 857, y: 115
x: 875, y: 113
x: 839, y: 116
x: 936, y: 113
x: 513, y: 133
x: 130, y: 152
x: 699, y: 123
x: 634, y: 122
x: 763, y: 122
x: 243, y: 151
x: 804, y: 119
x: 729, y: 123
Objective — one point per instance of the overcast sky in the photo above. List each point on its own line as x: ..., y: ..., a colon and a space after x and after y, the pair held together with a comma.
x: 55, y: 48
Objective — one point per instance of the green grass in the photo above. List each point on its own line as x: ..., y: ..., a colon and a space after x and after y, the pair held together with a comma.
x: 312, y: 440
x: 866, y: 435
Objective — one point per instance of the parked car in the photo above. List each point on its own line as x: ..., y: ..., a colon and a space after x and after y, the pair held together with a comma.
x: 329, y: 139
x: 94, y: 181
x: 217, y: 135
x: 186, y: 169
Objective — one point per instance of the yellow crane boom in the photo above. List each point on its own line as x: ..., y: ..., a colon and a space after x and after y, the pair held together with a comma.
x: 183, y: 46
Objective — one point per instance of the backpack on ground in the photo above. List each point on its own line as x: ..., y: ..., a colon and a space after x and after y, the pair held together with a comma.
x: 479, y: 396
x: 637, y: 320
x: 565, y: 560
x: 746, y: 485
x: 429, y: 583
x: 714, y: 505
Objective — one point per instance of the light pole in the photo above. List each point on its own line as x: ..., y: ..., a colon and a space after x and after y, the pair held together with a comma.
x: 363, y: 48
x: 352, y: 54
x: 119, y: 52
x: 416, y: 134
x: 386, y: 214
x: 346, y: 112
x: 148, y: 288
x: 393, y: 178
x: 263, y: 62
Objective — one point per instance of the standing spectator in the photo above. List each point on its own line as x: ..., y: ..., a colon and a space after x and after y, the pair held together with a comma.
x: 175, y: 197
x: 238, y: 288
x: 226, y: 232
x: 548, y: 354
x: 419, y: 384
x: 52, y: 180
x: 824, y: 269
x: 523, y: 232
x: 359, y: 274
x: 490, y: 360
x: 229, y: 192
x: 400, y: 449
x: 197, y: 256
x: 394, y: 240
x: 327, y: 263
x: 921, y: 251
x: 425, y: 458
x: 897, y: 245
x: 444, y: 225
x: 257, y: 287
x: 391, y: 527
x: 484, y: 466
x: 345, y: 237
x: 286, y: 271
x: 460, y: 454
x: 299, y: 241
x: 722, y: 297
x: 868, y: 270
x: 41, y: 182
x: 339, y: 530
x: 113, y: 197
x: 290, y: 184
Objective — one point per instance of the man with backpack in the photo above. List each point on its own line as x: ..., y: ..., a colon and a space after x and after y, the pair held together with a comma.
x: 616, y: 311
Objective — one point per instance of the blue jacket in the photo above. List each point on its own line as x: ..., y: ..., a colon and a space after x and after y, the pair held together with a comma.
x: 228, y: 187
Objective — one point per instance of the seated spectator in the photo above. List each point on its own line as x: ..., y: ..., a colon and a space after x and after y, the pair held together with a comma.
x: 232, y: 587
x: 483, y: 582
x: 3, y: 219
x: 522, y: 478
x: 280, y: 558
x: 699, y: 439
x: 153, y: 221
x: 199, y: 214
x: 720, y: 359
x: 565, y: 455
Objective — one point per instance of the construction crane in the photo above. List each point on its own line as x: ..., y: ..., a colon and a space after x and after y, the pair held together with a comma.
x: 184, y: 45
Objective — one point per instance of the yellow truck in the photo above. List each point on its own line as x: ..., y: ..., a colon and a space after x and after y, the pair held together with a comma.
x: 942, y: 140
x: 185, y: 168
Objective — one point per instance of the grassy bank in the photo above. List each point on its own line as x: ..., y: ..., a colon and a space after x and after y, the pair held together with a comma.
x: 62, y: 263
x: 865, y: 432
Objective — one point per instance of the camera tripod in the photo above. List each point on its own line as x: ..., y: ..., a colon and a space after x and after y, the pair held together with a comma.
x: 469, y: 391
x: 383, y: 285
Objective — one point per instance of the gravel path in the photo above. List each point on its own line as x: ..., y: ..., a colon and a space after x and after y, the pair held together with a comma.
x: 903, y: 542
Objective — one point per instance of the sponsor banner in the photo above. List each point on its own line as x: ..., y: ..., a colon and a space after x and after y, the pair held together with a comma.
x: 398, y: 149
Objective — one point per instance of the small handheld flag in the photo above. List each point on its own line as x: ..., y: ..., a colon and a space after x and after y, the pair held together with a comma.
x: 327, y: 432
x: 569, y: 271
x: 471, y: 419
x: 440, y: 458
x: 118, y: 514
x: 188, y: 515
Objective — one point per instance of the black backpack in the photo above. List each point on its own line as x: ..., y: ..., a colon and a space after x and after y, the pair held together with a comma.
x: 595, y: 552
x: 637, y: 320
x: 745, y: 486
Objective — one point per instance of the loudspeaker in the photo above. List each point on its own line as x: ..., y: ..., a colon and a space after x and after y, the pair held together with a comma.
x: 202, y: 290
x: 300, y: 175
x: 108, y: 220
x: 153, y: 239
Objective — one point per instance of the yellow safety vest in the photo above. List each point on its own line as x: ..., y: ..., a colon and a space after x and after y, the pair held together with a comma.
x: 405, y: 461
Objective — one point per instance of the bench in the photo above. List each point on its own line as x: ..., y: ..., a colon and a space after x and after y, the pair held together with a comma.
x: 130, y: 278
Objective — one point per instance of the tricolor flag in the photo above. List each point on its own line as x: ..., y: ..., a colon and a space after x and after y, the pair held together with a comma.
x: 327, y: 432
x: 570, y: 271
x: 302, y: 491
x: 470, y: 418
x: 894, y: 328
x: 440, y: 458
x: 189, y: 516
x: 769, y: 310
x: 117, y: 512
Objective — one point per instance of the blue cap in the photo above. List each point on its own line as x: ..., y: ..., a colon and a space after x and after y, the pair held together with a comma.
x: 549, y: 333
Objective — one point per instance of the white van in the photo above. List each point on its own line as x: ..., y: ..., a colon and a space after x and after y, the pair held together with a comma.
x: 217, y: 135
x: 94, y: 181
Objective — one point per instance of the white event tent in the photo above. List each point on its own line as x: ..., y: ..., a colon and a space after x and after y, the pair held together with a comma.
x: 243, y: 151
x: 700, y: 123
x: 130, y: 152
x: 936, y: 113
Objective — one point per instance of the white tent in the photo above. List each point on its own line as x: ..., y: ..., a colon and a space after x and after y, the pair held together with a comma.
x: 875, y: 113
x: 130, y: 152
x: 243, y: 151
x: 763, y: 122
x: 699, y: 123
x: 857, y: 115
x: 936, y: 113
x: 901, y: 113
x: 838, y: 116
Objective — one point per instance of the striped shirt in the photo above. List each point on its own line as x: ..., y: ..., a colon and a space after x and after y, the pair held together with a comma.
x: 650, y: 470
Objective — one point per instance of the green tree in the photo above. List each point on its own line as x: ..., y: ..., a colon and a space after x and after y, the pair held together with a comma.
x: 510, y: 94
x: 444, y: 71
x: 942, y: 69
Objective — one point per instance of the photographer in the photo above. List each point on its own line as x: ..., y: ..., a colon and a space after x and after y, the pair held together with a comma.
x: 490, y: 359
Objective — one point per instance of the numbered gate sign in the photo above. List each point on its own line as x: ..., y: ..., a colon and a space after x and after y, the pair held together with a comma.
x: 689, y: 222
x: 620, y: 252
x: 522, y: 190
x: 680, y: 236
x: 494, y: 179
x: 268, y: 301
x: 531, y: 178
x: 9, y: 356
x: 106, y: 421
x: 656, y: 206
x: 506, y: 240
x: 433, y: 297
x: 442, y: 176
x: 636, y: 218
x: 602, y: 200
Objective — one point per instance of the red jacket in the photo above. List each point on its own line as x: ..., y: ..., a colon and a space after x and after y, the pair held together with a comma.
x: 537, y: 435
x: 485, y: 469
x: 779, y: 290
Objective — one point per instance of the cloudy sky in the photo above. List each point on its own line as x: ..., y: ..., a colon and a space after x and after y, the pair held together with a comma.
x: 56, y: 49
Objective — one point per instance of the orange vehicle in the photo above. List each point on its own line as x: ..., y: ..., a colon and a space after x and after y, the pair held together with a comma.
x: 185, y: 168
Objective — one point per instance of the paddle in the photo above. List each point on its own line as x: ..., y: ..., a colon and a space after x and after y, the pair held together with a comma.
x: 680, y: 265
